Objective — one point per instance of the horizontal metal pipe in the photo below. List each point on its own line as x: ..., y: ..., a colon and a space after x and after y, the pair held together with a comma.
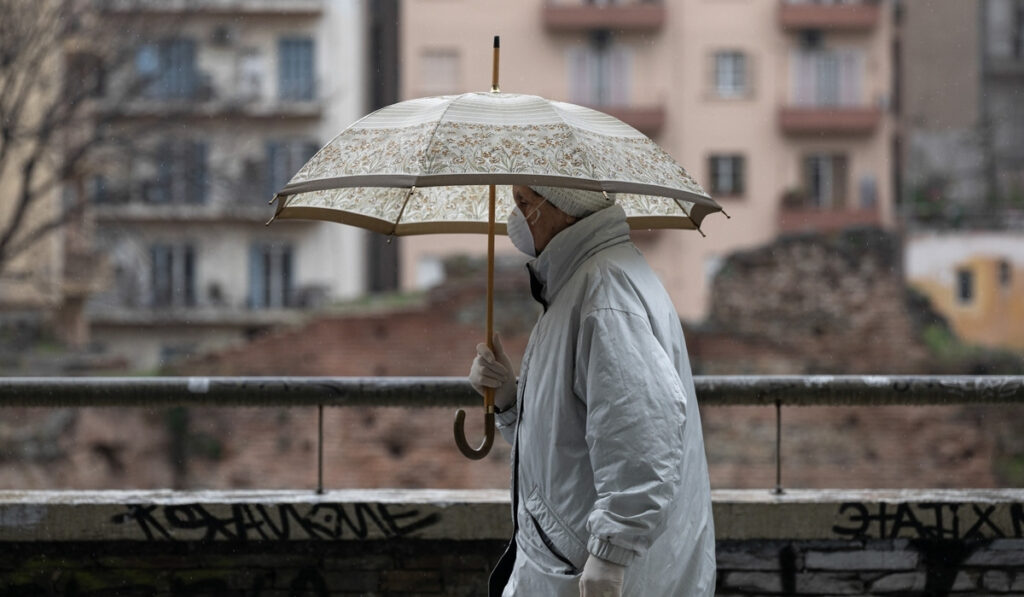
x: 421, y: 392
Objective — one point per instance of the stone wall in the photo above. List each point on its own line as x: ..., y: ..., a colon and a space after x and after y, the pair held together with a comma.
x: 813, y: 304
x: 962, y: 542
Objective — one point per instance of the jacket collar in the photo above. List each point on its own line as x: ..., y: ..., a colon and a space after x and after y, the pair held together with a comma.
x: 574, y: 245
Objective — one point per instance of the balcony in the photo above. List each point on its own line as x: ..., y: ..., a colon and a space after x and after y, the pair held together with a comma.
x: 300, y: 8
x: 642, y: 16
x: 647, y: 120
x: 829, y: 121
x: 848, y: 16
x: 798, y: 215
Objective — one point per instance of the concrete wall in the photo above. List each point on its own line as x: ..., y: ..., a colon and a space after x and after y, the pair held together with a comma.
x: 436, y: 542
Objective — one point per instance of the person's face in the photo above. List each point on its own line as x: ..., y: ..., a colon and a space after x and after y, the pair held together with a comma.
x: 544, y: 219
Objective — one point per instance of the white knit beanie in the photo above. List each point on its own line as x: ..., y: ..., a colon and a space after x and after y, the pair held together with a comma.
x: 576, y: 202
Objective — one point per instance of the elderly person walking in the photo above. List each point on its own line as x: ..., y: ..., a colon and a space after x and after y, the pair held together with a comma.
x: 610, y: 486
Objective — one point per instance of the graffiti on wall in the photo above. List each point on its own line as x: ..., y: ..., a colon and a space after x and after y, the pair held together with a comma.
x: 281, y: 522
x: 929, y: 520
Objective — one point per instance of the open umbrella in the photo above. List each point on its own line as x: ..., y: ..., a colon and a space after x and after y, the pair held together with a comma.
x: 431, y: 165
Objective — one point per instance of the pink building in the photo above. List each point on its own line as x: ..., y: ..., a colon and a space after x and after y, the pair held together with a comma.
x: 779, y: 108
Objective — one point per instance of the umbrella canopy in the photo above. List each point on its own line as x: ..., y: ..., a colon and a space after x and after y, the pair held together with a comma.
x: 433, y: 165
x: 424, y: 165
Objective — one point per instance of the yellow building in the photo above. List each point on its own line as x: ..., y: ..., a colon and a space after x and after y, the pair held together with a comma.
x: 975, y: 280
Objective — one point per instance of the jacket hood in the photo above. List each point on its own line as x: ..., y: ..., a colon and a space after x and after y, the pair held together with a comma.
x: 574, y: 245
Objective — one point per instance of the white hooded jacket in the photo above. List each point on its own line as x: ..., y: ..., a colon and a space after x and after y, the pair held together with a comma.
x: 609, y: 453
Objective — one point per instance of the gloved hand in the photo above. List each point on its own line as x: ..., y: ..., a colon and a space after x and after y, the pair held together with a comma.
x: 494, y: 370
x: 601, y: 578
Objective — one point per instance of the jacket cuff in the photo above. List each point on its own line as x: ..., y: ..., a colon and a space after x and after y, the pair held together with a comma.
x: 605, y: 550
x: 507, y: 417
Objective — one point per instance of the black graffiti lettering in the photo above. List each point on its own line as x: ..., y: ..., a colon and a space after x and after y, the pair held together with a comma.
x: 1017, y: 516
x: 955, y: 509
x: 983, y: 519
x: 938, y: 531
x: 905, y: 517
x: 196, y: 517
x: 315, y: 529
x: 143, y: 516
x: 193, y: 522
x: 392, y: 518
x: 860, y: 516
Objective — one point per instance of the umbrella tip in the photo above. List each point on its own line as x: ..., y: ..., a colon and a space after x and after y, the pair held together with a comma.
x: 726, y: 214
x: 497, y: 43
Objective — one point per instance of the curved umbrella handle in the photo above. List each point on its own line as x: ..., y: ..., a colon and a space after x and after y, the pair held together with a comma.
x: 460, y: 436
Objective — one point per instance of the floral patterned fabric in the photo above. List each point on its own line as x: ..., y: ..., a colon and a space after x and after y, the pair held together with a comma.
x: 424, y: 165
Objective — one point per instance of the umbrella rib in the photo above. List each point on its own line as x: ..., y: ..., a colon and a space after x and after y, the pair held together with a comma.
x: 401, y: 212
x: 430, y: 141
x: 689, y: 217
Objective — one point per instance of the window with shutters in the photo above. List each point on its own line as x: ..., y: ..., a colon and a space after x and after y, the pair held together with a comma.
x: 727, y: 175
x: 172, y: 275
x: 825, y: 178
x: 270, y: 276
x: 181, y: 173
x: 827, y: 78
x: 168, y: 68
x: 284, y: 158
x: 730, y: 74
x: 296, y: 79
x: 599, y: 72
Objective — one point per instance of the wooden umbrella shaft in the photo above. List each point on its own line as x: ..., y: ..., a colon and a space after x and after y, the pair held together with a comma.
x: 489, y: 392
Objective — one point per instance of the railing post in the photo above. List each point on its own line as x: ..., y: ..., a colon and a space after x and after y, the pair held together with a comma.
x: 320, y: 450
x: 778, y: 448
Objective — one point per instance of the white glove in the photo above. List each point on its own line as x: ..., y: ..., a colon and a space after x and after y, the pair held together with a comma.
x: 601, y: 578
x: 494, y: 370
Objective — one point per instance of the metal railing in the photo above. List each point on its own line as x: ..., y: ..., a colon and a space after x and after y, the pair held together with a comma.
x: 427, y: 392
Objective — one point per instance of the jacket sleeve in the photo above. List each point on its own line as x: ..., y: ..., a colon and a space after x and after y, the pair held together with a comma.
x: 507, y: 420
x: 635, y: 414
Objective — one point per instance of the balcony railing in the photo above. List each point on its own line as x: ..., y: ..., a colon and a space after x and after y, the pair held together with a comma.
x: 831, y: 121
x: 845, y: 16
x: 645, y: 16
x: 425, y: 392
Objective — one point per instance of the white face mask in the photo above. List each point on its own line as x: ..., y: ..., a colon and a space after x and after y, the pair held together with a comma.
x: 519, y: 233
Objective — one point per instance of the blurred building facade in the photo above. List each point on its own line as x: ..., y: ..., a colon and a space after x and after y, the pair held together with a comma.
x: 961, y: 109
x: 236, y: 96
x: 962, y: 119
x: 781, y: 109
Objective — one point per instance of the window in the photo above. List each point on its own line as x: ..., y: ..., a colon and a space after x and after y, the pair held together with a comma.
x: 284, y: 159
x: 172, y: 275
x: 1005, y: 274
x: 270, y: 276
x: 965, y: 285
x: 825, y: 180
x: 727, y: 176
x: 827, y: 78
x: 599, y: 72
x: 440, y: 72
x: 169, y: 68
x: 868, y: 187
x: 250, y: 76
x: 181, y: 173
x: 295, y: 69
x: 730, y: 74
